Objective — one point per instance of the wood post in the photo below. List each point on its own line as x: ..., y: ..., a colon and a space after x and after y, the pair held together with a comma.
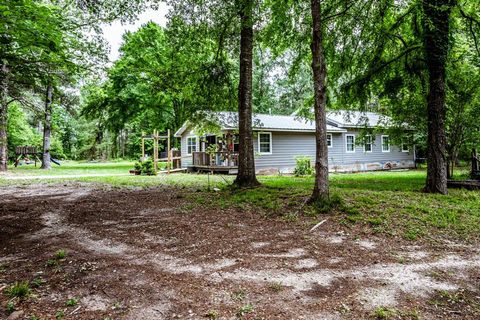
x: 143, y: 146
x: 169, y: 152
x: 155, y: 150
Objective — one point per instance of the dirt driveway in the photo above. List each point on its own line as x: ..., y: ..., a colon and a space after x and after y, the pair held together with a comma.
x: 151, y: 254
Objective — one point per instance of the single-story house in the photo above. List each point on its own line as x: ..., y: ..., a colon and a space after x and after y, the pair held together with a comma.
x: 279, y: 140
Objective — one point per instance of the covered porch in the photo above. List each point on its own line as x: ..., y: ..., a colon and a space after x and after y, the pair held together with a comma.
x: 215, y: 162
x: 216, y: 154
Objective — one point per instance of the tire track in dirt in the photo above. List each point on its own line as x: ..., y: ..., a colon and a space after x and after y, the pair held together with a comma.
x: 396, y: 278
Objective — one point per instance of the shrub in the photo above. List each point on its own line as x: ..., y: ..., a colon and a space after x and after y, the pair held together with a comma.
x: 148, y: 168
x: 303, y: 167
x: 137, y: 166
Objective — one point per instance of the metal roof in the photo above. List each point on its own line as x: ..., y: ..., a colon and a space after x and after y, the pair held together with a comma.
x: 229, y: 121
x: 347, y: 118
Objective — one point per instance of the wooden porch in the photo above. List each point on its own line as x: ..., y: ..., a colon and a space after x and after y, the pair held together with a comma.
x: 215, y: 162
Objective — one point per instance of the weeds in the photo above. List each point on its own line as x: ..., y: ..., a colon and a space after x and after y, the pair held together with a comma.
x: 239, y: 295
x: 248, y: 308
x: 51, y: 263
x: 59, y: 314
x: 384, y: 313
x: 212, y: 314
x: 38, y: 282
x: 391, y: 313
x: 290, y: 217
x: 275, y: 286
x: 326, y: 205
x: 10, y: 307
x: 18, y: 290
x: 72, y: 302
x: 61, y: 254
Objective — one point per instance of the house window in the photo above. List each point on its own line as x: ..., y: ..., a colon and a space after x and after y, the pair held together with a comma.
x: 368, y: 145
x: 329, y: 140
x: 405, y: 147
x: 350, y: 143
x: 385, y: 144
x: 191, y: 145
x: 265, y: 143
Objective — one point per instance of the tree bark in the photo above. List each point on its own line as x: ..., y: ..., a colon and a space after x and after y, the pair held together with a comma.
x: 436, y: 41
x: 47, y: 129
x: 319, y: 68
x: 3, y: 118
x: 246, y: 162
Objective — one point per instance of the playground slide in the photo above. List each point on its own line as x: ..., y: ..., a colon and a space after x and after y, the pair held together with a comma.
x: 57, y: 162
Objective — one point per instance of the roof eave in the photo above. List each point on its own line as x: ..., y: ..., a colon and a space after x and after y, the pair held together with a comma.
x: 285, y: 130
x: 182, y: 129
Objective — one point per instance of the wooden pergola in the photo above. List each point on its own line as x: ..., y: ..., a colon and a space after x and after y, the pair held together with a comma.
x: 156, y: 137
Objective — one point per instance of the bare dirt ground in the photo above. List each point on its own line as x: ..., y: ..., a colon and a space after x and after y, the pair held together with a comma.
x: 150, y: 254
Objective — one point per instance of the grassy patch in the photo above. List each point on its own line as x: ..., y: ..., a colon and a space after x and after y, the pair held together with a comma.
x: 392, y: 313
x: 385, y: 202
x: 74, y: 168
x: 61, y: 254
x: 18, y: 290
x: 71, y: 302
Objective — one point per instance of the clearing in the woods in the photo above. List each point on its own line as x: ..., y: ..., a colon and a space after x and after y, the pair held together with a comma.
x: 176, y: 247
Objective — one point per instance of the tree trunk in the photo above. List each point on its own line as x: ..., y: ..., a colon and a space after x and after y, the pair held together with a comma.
x: 319, y: 68
x: 47, y: 128
x: 3, y: 118
x: 246, y: 162
x: 436, y: 41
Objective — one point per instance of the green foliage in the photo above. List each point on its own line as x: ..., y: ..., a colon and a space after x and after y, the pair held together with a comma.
x: 212, y: 314
x: 18, y: 290
x: 138, y: 166
x: 61, y: 254
x: 148, y: 168
x: 51, y: 263
x: 38, y: 282
x: 19, y: 130
x: 170, y: 78
x: 303, y: 166
x: 334, y: 202
x: 71, y: 302
x: 248, y: 308
x: 60, y: 314
x: 10, y: 307
x: 384, y: 313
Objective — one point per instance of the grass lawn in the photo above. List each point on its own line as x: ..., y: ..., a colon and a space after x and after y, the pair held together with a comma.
x: 73, y: 168
x: 380, y: 202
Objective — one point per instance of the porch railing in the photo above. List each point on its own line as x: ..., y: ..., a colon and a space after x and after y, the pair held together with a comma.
x: 215, y: 159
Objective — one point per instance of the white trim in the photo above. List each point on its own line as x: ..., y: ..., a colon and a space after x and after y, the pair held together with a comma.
x: 331, y: 140
x: 196, y: 144
x: 346, y: 143
x: 401, y: 148
x: 389, y: 146
x: 371, y: 144
x: 182, y: 129
x: 265, y: 133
